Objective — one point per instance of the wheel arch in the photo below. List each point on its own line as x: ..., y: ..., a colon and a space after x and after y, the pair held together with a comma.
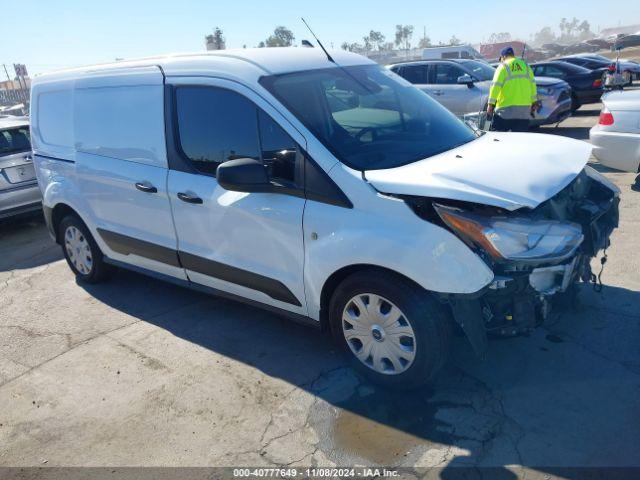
x: 58, y: 212
x: 332, y: 282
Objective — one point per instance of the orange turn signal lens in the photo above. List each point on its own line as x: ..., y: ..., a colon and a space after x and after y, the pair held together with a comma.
x: 470, y: 229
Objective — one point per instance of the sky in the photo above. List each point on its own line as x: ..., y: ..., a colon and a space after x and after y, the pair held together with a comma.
x: 52, y: 34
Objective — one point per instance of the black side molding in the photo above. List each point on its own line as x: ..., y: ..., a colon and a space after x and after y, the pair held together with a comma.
x: 274, y: 288
x: 55, y: 158
x: 132, y: 246
x: 126, y: 245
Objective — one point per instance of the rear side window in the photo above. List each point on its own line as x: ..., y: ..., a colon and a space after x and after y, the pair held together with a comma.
x: 124, y: 122
x: 15, y: 140
x: 552, y: 71
x: 55, y: 118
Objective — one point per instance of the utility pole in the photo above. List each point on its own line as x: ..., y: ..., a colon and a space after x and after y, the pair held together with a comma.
x: 7, y: 73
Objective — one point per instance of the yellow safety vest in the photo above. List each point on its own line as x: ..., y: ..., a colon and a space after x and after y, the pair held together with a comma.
x: 513, y: 86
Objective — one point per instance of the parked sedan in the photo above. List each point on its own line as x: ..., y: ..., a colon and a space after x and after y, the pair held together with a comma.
x: 463, y: 87
x: 616, y: 137
x: 586, y: 85
x: 19, y: 192
x: 627, y: 41
x: 587, y: 62
x: 629, y: 68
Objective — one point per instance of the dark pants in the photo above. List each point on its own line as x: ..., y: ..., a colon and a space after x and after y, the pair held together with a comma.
x: 500, y: 124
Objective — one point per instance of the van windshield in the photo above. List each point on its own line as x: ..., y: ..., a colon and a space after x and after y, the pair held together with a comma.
x: 367, y: 116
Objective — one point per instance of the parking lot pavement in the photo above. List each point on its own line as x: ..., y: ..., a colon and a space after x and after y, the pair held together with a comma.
x: 139, y: 372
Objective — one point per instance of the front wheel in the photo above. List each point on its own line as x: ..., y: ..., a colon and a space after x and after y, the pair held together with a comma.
x: 392, y: 331
x: 81, y: 251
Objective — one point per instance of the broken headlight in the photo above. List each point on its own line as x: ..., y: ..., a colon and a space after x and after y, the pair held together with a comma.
x: 514, y: 238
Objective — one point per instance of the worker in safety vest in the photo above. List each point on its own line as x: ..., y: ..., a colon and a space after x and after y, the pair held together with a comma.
x: 513, y: 97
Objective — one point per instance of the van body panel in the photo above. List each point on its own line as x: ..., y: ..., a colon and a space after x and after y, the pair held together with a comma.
x: 382, y: 231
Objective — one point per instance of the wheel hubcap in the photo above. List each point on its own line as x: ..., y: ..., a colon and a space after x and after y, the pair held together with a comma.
x: 78, y: 250
x: 378, y: 334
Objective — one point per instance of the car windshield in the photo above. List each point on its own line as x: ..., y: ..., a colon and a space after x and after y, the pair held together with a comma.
x: 480, y: 70
x: 368, y: 116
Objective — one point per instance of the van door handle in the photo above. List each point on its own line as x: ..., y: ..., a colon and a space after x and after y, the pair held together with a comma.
x: 438, y: 92
x: 146, y: 187
x: 185, y: 197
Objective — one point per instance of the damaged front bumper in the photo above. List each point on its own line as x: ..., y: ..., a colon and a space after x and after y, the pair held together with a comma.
x: 521, y: 295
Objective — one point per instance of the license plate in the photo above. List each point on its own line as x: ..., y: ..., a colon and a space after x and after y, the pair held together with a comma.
x: 20, y: 173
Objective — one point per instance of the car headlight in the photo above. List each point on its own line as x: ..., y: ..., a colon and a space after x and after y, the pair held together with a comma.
x: 596, y: 176
x: 545, y: 90
x: 514, y: 238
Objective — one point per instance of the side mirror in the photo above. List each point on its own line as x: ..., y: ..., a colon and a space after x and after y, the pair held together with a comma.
x: 243, y: 175
x: 465, y: 79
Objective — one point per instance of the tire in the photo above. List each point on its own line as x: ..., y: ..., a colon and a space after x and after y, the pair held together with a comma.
x: 424, y: 350
x: 82, y: 253
x: 575, y: 104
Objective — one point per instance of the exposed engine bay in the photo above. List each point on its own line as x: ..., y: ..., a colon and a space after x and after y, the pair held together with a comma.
x: 537, y: 255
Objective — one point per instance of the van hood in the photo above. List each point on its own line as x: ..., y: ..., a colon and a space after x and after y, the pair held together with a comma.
x: 506, y: 170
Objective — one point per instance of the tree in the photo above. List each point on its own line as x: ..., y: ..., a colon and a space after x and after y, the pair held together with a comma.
x: 499, y: 37
x: 454, y: 40
x: 367, y: 44
x: 545, y: 35
x: 377, y: 39
x: 585, y: 31
x: 424, y: 42
x: 282, y: 37
x: 261, y: 45
x: 215, y: 41
x: 403, y: 36
x: 568, y: 29
x: 353, y: 47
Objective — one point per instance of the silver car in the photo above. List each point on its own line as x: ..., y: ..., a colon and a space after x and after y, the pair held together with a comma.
x: 19, y: 192
x: 463, y: 87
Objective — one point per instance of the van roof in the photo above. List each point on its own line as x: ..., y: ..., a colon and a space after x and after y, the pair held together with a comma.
x: 233, y: 62
x: 447, y: 47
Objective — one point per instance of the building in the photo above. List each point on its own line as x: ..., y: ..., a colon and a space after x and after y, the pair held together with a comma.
x: 616, y: 31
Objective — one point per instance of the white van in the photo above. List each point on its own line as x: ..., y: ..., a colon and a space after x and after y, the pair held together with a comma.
x: 329, y: 190
x: 452, y: 52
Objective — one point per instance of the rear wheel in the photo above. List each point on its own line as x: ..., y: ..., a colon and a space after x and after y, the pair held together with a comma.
x: 81, y: 251
x: 575, y: 103
x: 392, y: 331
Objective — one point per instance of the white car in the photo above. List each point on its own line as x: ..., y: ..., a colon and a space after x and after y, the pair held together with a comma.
x: 324, y: 188
x: 616, y: 137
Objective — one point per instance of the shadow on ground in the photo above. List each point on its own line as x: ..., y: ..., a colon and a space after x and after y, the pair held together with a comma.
x: 465, y: 414
x: 24, y: 243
